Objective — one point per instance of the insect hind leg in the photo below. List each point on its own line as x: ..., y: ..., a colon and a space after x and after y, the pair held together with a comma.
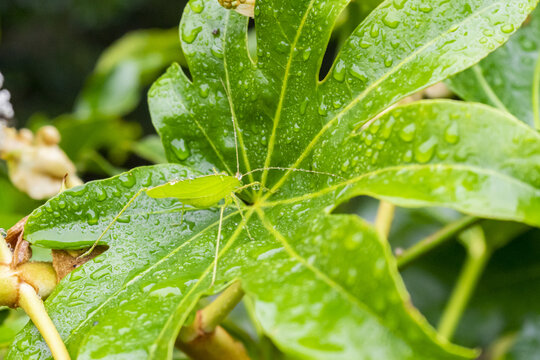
x: 128, y: 204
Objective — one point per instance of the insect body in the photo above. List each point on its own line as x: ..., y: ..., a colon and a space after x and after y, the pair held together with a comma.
x: 201, y: 192
x: 205, y: 192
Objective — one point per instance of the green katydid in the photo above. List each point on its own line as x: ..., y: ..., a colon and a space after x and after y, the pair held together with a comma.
x: 207, y: 191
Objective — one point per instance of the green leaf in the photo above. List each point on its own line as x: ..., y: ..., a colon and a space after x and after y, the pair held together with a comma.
x: 151, y: 149
x: 13, y: 323
x: 323, y: 286
x: 123, y: 70
x: 510, y: 77
x: 438, y: 153
x: 527, y: 343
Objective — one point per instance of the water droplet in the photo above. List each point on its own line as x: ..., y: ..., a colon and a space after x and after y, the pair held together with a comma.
x: 426, y: 8
x: 339, y: 71
x: 407, y: 157
x: 387, y: 128
x: 61, y: 204
x: 217, y: 51
x: 101, y: 194
x: 306, y: 54
x: 358, y: 73
x: 364, y: 44
x: 91, y: 217
x: 424, y: 152
x: 124, y: 219
x: 127, y: 180
x: 180, y: 149
x: 196, y: 5
x: 374, y: 31
x: 204, y: 90
x: 101, y: 272
x: 345, y: 166
x: 189, y: 35
x: 165, y: 291
x: 407, y: 133
x: 398, y: 4
x: 507, y: 29
x: 388, y: 60
x: 369, y: 152
x: 452, y: 133
x: 375, y: 126
x: 368, y: 140
x: 391, y: 20
x: 323, y: 109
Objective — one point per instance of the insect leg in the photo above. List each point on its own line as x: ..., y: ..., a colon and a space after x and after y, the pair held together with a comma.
x: 238, y: 206
x: 214, y: 272
x: 113, y: 221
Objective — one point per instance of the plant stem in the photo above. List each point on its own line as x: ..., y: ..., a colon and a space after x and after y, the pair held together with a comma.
x: 427, y: 244
x: 33, y: 306
x: 205, y: 339
x: 385, y: 215
x: 478, y: 255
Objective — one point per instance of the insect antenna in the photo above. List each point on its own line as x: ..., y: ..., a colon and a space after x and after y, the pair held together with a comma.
x: 238, y: 175
x: 128, y: 204
x: 293, y: 169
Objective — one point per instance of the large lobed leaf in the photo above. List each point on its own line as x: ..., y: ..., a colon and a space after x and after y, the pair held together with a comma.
x: 324, y: 286
x: 510, y: 77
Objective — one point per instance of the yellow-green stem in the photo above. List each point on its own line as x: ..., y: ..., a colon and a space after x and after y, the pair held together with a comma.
x: 213, y: 314
x: 385, y: 216
x: 429, y: 243
x: 478, y: 255
x: 205, y: 339
x: 31, y: 303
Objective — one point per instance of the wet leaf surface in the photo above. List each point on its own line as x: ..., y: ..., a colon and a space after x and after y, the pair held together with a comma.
x: 323, y: 286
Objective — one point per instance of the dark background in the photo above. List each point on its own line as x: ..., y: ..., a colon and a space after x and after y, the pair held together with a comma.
x: 48, y: 48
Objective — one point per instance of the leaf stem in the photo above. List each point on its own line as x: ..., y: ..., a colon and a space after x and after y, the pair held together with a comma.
x: 33, y: 306
x: 385, y: 216
x: 429, y: 243
x: 205, y: 339
x: 478, y: 255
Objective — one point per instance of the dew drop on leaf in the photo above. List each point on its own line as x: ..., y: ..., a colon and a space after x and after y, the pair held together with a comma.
x: 391, y: 20
x: 91, y: 217
x: 507, y: 29
x: 180, y: 148
x: 451, y: 134
x: 424, y: 152
x: 204, y: 90
x: 306, y: 54
x: 189, y: 35
x: 407, y: 157
x: 101, y: 195
x: 197, y: 6
x: 407, y: 133
x: 127, y: 180
x: 339, y: 71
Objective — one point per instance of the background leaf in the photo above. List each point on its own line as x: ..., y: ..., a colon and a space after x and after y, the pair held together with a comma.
x: 510, y: 77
